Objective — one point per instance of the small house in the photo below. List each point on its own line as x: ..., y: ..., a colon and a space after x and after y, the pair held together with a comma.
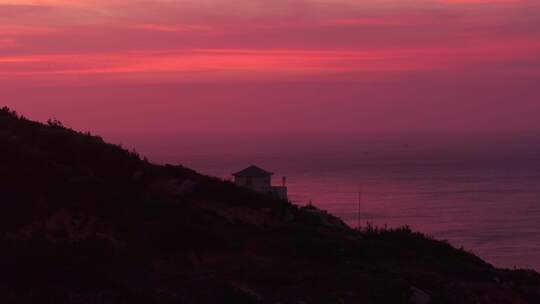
x: 259, y: 180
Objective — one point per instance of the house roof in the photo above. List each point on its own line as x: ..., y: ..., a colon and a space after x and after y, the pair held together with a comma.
x: 253, y: 171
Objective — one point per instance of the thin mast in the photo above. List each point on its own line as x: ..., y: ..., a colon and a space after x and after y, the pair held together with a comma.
x: 359, y: 224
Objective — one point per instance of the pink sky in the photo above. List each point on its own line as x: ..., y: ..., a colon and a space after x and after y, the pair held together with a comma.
x: 216, y: 70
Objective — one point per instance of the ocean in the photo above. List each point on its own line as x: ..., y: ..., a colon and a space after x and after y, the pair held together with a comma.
x: 488, y: 203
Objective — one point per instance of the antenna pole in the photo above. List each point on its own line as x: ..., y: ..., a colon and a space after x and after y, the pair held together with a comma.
x: 359, y: 207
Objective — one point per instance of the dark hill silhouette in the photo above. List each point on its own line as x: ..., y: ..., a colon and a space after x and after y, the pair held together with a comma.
x: 84, y: 221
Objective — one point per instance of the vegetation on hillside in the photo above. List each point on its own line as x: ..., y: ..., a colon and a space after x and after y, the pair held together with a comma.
x: 84, y: 221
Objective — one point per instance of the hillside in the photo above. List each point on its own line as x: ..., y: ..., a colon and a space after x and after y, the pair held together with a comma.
x: 84, y: 221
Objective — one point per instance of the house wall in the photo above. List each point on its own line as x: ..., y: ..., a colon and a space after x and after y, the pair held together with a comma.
x: 259, y: 184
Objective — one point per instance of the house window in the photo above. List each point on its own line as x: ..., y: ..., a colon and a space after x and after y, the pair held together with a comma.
x: 249, y: 181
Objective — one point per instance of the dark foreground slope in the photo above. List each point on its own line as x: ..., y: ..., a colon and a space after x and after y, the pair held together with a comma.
x: 83, y: 221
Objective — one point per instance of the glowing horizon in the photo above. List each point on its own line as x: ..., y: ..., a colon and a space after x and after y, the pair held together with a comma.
x: 462, y: 61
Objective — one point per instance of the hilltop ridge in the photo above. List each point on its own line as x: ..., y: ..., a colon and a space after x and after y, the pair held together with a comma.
x: 85, y: 221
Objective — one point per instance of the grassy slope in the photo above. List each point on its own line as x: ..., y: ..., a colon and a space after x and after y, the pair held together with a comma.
x: 84, y: 221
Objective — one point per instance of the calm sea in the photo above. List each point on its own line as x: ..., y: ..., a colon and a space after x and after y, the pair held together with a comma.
x: 488, y: 204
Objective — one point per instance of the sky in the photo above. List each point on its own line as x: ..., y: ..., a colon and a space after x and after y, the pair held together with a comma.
x: 250, y: 73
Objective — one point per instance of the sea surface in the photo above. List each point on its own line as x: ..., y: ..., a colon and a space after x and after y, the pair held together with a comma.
x: 487, y: 203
